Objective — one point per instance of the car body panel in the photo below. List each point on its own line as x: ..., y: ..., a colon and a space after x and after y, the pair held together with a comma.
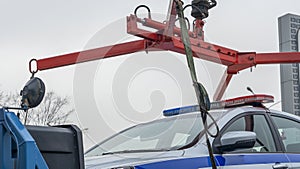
x: 196, y: 156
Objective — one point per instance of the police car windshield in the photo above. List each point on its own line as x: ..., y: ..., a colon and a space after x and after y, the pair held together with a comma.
x: 166, y: 134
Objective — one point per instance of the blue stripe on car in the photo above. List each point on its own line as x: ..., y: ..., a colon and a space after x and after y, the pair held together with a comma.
x: 226, y: 160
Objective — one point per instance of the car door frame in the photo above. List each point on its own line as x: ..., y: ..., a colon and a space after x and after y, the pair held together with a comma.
x: 278, y: 144
x: 290, y: 156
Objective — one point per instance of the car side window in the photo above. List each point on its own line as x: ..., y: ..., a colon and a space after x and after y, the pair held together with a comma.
x: 289, y: 131
x: 259, y: 125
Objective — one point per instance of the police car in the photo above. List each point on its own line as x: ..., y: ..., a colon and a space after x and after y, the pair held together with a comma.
x: 250, y: 136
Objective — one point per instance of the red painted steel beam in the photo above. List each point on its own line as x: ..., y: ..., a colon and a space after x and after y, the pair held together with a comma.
x: 201, y: 49
x: 132, y: 28
x: 89, y: 55
x: 243, y: 61
x: 208, y: 52
x: 276, y: 58
x: 170, y: 22
x: 162, y: 26
x: 247, y: 60
x: 224, y: 82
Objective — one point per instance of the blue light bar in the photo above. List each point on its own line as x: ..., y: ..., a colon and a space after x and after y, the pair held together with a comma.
x: 181, y: 110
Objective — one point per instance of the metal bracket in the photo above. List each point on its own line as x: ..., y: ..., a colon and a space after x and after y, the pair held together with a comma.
x: 19, y: 150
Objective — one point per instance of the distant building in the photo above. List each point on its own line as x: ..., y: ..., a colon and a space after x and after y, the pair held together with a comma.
x: 288, y: 26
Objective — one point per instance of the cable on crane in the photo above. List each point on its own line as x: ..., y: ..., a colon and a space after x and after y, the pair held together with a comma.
x: 143, y: 6
x: 201, y: 94
x: 187, y: 20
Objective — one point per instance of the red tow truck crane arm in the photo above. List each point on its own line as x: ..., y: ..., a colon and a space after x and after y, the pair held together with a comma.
x: 167, y: 37
x: 90, y: 55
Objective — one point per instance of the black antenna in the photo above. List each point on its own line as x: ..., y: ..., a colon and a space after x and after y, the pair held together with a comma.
x: 250, y: 90
x: 256, y: 104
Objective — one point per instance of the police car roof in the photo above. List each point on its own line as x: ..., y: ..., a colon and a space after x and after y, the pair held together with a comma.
x: 251, y: 100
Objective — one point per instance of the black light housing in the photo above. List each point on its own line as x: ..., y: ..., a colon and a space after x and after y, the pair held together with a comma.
x: 32, y: 93
x: 200, y: 8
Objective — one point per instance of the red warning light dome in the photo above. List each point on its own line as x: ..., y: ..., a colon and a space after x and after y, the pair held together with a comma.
x: 255, y: 100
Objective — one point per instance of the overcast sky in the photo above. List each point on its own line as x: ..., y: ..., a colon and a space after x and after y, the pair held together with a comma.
x: 115, y: 93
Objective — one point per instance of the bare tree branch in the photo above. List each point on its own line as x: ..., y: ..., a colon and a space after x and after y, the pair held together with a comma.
x: 52, y: 111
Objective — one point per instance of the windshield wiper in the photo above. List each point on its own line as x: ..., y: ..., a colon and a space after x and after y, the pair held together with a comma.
x: 135, y: 151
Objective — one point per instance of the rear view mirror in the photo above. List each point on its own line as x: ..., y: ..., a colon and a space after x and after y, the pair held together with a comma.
x: 234, y: 140
x: 32, y: 93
